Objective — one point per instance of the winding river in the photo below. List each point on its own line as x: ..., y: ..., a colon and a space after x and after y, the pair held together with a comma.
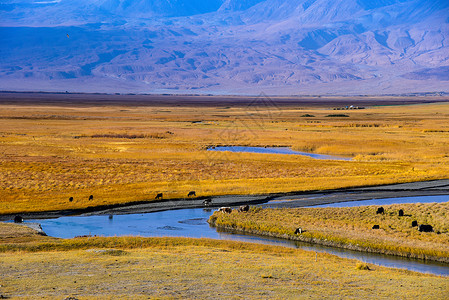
x: 274, y: 150
x: 193, y: 223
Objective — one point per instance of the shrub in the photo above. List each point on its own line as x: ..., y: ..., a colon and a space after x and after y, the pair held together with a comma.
x: 338, y: 116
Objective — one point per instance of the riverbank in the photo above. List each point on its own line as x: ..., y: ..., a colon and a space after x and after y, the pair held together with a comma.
x: 354, y: 228
x: 279, y: 200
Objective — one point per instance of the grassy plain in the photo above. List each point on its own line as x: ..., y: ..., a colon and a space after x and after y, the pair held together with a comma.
x: 177, y: 268
x: 351, y: 227
x: 120, y: 153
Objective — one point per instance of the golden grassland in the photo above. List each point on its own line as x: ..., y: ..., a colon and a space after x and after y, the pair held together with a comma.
x: 179, y: 268
x: 120, y: 153
x: 351, y: 227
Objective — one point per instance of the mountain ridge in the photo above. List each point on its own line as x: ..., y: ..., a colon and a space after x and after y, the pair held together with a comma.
x: 285, y: 47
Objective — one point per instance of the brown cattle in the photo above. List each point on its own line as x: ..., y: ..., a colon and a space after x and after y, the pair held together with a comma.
x: 244, y: 208
x: 225, y: 210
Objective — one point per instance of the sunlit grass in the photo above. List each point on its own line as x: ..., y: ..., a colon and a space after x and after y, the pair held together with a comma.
x: 122, y: 154
x: 352, y: 227
x: 141, y: 268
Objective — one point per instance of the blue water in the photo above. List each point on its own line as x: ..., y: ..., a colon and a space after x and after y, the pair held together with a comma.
x: 389, y: 201
x: 275, y: 150
x: 182, y: 222
x: 192, y: 223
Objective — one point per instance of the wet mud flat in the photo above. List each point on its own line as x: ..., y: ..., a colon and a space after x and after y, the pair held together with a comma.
x: 414, y: 189
x: 280, y: 200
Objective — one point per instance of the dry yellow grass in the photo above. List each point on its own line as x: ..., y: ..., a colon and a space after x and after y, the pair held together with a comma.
x: 178, y: 268
x: 351, y: 227
x: 127, y: 153
x: 18, y: 234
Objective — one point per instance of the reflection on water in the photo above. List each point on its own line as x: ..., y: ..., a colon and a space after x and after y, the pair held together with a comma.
x: 193, y: 223
x: 183, y: 222
x: 274, y: 150
x: 371, y: 258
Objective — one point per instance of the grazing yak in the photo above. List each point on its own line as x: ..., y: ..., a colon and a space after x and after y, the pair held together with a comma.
x: 414, y: 223
x: 207, y: 202
x: 191, y: 193
x: 425, y: 228
x: 376, y: 227
x: 225, y: 210
x: 380, y: 210
x: 158, y: 196
x: 71, y: 199
x: 91, y: 197
x: 401, y: 213
x: 243, y: 208
x: 298, y: 230
x: 18, y: 219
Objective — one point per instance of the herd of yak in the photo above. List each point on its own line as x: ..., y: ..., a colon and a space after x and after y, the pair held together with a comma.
x: 421, y: 227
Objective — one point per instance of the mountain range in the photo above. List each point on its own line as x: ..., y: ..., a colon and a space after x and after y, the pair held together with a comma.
x: 277, y: 47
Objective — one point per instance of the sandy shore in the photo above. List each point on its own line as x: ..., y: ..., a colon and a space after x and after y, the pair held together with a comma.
x: 291, y: 200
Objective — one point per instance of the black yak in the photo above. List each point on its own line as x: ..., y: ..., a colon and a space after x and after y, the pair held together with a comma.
x: 425, y: 228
